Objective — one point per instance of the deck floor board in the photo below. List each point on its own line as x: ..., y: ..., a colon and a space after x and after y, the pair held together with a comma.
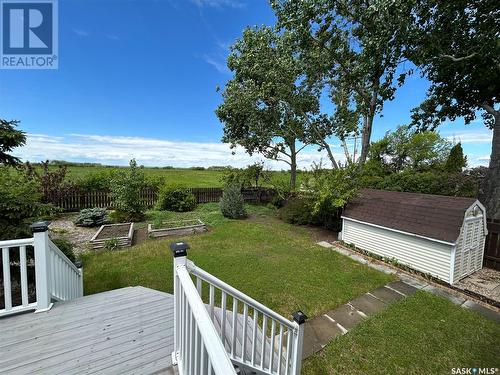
x: 128, y: 330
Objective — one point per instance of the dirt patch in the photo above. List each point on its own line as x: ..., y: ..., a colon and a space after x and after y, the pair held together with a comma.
x: 114, y: 231
x: 322, y: 234
x: 140, y: 236
x: 78, y: 236
x: 485, y: 282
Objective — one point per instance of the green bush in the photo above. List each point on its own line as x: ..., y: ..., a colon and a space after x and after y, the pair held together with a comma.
x: 296, y: 211
x: 232, y: 204
x: 174, y: 198
x: 65, y: 246
x: 20, y: 204
x: 91, y: 217
x: 125, y: 191
x: 96, y: 181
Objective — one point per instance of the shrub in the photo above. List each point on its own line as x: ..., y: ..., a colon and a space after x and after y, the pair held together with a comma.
x: 91, y: 217
x: 52, y: 181
x: 125, y: 191
x: 232, y: 204
x: 20, y: 204
x: 65, y: 246
x: 296, y: 211
x: 96, y: 181
x: 111, y: 244
x: 174, y: 198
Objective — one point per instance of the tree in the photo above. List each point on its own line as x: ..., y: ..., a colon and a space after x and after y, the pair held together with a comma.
x: 455, y: 44
x: 52, y: 181
x: 352, y: 48
x: 10, y: 138
x: 406, y: 148
x: 456, y: 161
x: 20, y: 204
x: 265, y: 108
x: 125, y: 192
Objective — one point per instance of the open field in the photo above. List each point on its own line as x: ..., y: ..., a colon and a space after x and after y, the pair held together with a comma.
x: 179, y: 176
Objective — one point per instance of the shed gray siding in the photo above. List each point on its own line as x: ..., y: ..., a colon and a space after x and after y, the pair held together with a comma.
x: 419, y: 253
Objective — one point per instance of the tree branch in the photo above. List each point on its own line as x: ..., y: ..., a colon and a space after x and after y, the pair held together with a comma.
x: 458, y: 59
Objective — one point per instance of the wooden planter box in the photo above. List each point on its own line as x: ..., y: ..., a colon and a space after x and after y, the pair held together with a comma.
x: 122, y: 232
x: 177, y: 228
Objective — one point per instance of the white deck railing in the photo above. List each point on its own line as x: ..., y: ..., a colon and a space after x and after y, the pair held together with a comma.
x: 56, y: 277
x: 250, y: 334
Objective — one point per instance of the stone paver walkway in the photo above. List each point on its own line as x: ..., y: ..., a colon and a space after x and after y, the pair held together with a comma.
x: 319, y: 331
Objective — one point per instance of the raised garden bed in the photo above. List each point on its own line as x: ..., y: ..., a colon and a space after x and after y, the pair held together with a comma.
x: 176, y: 228
x: 121, y: 233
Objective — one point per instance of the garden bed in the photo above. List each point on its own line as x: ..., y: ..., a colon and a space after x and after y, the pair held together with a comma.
x: 121, y: 233
x: 176, y: 228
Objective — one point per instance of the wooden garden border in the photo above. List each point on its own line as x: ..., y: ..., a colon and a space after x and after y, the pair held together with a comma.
x: 124, y: 241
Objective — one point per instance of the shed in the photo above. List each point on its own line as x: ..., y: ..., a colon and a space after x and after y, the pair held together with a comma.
x: 439, y: 235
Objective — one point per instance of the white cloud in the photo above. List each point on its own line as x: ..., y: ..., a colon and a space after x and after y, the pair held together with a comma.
x: 219, y: 3
x: 112, y: 37
x: 118, y: 150
x: 218, y: 63
x: 81, y: 32
x: 469, y: 136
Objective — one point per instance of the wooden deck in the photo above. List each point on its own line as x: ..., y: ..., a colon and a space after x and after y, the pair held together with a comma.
x: 124, y: 331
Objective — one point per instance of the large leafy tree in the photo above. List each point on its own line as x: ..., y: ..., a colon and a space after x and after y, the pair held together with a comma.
x: 264, y: 108
x: 10, y: 138
x: 456, y: 44
x: 352, y: 48
x: 405, y: 148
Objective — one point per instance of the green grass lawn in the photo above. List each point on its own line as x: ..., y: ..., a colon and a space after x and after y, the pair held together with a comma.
x: 276, y: 263
x: 423, y: 334
x: 279, y: 265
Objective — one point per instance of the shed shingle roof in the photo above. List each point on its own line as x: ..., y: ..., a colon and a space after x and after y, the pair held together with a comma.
x: 434, y: 216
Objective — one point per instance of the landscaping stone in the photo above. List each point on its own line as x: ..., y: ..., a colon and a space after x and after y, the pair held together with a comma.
x: 346, y: 316
x: 368, y: 304
x: 318, y: 332
x: 387, y: 295
x: 325, y: 244
x: 402, y: 287
x: 484, y: 311
x: 443, y: 293
x: 417, y: 283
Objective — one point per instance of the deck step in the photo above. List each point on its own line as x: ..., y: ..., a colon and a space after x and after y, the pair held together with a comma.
x: 228, y: 340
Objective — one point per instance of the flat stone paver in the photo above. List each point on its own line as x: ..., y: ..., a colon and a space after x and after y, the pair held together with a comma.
x: 387, y: 295
x: 412, y: 281
x: 367, y: 304
x: 443, y: 293
x: 402, y: 287
x: 346, y: 316
x: 487, y: 313
x: 318, y: 332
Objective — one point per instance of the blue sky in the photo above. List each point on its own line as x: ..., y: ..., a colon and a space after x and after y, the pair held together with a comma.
x: 138, y: 79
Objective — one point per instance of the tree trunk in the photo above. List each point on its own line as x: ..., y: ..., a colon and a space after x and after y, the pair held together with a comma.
x: 368, y: 125
x: 490, y: 194
x: 366, y: 137
x: 293, y: 166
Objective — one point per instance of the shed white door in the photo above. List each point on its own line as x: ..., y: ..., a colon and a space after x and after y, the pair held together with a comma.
x: 471, y: 248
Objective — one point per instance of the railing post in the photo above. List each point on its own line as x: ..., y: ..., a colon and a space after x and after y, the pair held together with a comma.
x: 179, y: 251
x: 300, y: 318
x: 79, y: 265
x: 42, y: 265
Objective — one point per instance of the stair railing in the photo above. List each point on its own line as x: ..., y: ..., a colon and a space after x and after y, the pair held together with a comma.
x: 254, y: 336
x: 56, y: 277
